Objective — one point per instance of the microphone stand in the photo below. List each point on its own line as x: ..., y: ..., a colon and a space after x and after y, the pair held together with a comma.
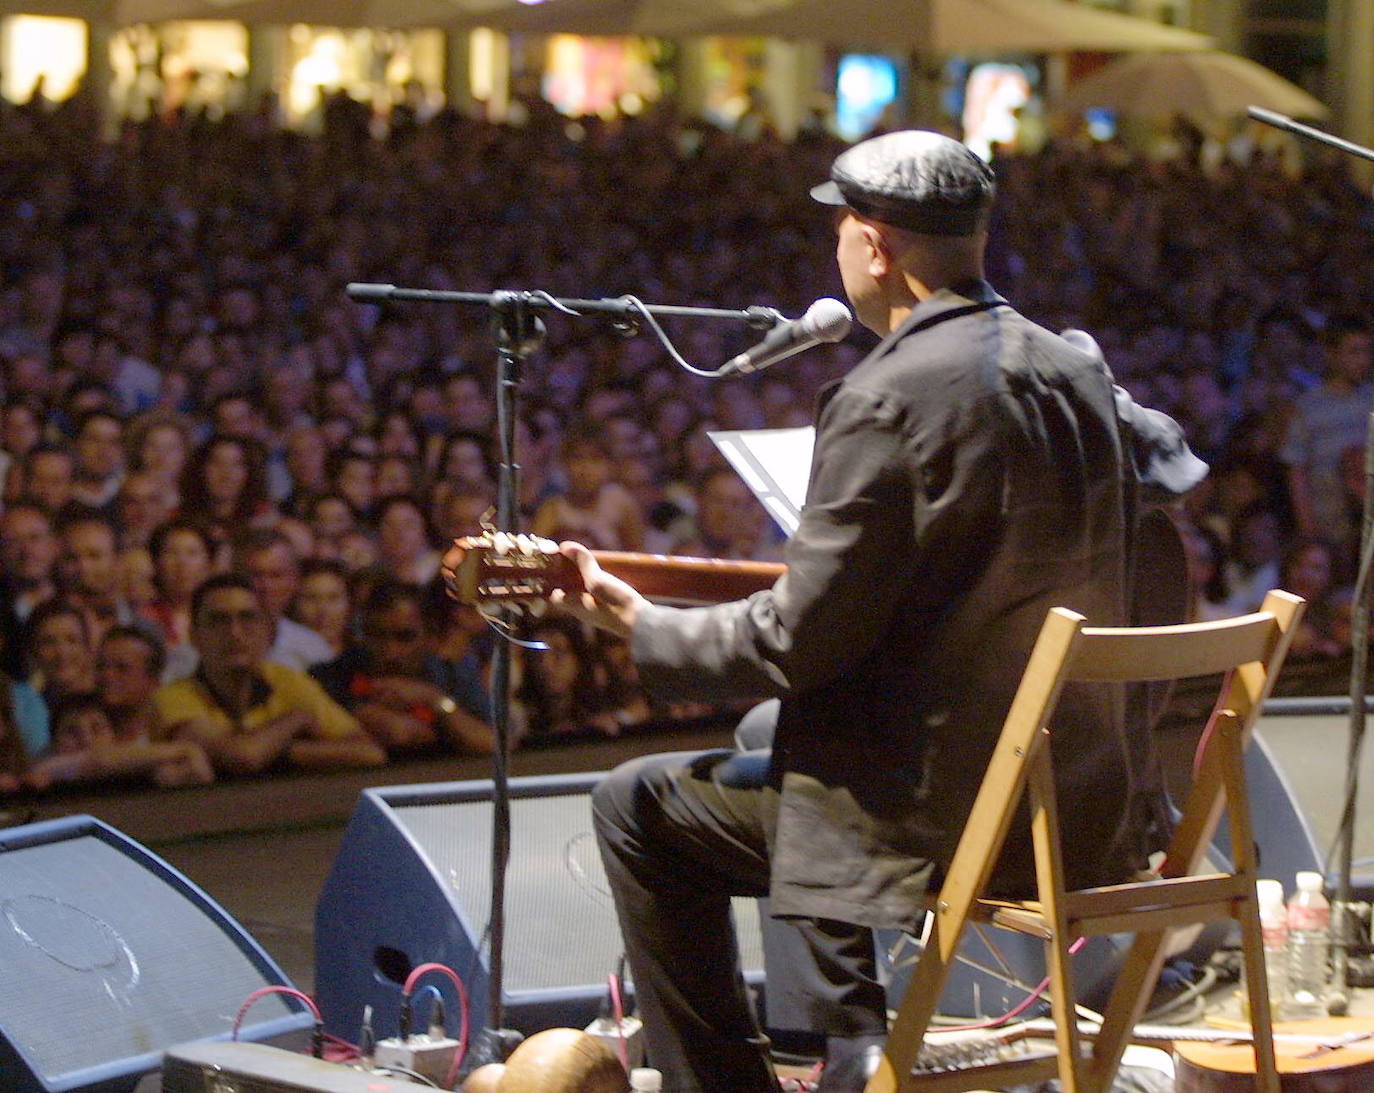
x: 518, y: 332
x: 1359, y: 635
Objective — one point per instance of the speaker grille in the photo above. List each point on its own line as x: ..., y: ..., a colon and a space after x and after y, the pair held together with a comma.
x: 102, y: 960
x: 1308, y: 753
x: 561, y: 929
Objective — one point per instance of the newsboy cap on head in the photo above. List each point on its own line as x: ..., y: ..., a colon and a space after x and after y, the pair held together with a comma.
x: 912, y: 179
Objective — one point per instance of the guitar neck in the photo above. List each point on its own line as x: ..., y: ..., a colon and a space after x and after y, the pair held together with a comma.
x: 692, y: 580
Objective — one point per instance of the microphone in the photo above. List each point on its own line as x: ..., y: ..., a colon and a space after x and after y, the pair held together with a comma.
x: 826, y: 320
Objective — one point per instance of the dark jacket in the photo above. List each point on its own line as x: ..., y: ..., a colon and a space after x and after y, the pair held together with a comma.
x: 971, y: 473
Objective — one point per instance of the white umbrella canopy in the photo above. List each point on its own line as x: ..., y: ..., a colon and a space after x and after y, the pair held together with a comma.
x: 604, y: 17
x: 1208, y: 82
x: 942, y: 26
x: 93, y: 11
x: 932, y: 26
x: 343, y: 13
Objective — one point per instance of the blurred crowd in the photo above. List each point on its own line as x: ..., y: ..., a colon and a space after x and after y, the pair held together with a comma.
x: 227, y: 486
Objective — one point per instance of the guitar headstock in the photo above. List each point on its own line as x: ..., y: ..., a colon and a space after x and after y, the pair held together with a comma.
x: 498, y: 567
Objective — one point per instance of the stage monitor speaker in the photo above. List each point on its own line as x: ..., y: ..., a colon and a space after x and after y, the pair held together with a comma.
x: 110, y: 956
x: 1296, y: 767
x: 412, y: 884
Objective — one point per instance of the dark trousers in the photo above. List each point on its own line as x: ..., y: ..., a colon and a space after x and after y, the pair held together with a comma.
x: 680, y: 834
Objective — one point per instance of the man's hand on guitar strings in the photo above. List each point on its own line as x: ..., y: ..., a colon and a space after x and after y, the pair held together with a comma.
x: 605, y: 601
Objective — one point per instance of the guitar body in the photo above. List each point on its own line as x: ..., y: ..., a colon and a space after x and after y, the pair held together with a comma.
x: 1309, y: 1066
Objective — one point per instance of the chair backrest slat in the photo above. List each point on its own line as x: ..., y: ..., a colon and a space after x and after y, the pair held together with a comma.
x: 1173, y: 652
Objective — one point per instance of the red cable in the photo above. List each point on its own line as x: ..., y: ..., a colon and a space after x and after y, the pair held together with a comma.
x: 339, y: 1050
x: 263, y: 992
x: 1210, y: 728
x: 409, y: 987
x: 618, y: 1009
x: 1016, y: 1010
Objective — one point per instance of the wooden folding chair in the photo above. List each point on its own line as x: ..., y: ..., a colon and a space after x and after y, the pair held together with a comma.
x: 1250, y: 649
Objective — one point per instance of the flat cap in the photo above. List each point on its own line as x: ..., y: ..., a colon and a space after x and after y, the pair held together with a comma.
x: 912, y: 179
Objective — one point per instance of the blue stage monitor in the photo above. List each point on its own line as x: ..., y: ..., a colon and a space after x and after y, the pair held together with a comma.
x: 110, y: 956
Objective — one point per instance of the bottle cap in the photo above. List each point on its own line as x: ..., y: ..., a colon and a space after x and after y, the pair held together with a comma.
x: 1310, y: 881
x: 645, y: 1079
x: 1269, y: 891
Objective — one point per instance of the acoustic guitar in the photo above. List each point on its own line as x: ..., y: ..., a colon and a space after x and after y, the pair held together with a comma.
x: 502, y: 568
x: 1333, y: 1055
x: 1327, y: 1055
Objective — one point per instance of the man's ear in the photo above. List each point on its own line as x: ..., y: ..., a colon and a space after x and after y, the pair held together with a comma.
x: 879, y: 252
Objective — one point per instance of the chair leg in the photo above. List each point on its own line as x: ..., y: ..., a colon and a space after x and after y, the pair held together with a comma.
x: 1049, y: 869
x: 905, y: 1038
x: 1130, y: 994
x: 1231, y: 757
x: 1257, y: 990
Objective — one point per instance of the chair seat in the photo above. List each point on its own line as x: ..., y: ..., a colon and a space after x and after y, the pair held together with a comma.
x: 1118, y: 908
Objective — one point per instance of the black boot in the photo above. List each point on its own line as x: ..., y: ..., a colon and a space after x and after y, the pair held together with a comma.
x: 849, y: 1063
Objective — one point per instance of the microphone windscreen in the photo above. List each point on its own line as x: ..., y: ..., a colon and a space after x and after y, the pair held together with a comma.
x: 828, y: 319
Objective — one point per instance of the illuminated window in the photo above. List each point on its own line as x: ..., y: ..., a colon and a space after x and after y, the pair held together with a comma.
x: 993, y: 97
x: 864, y: 86
x: 200, y: 65
x: 38, y: 53
x: 605, y: 76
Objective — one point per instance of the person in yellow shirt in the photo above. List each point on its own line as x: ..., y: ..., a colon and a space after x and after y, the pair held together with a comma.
x: 250, y: 715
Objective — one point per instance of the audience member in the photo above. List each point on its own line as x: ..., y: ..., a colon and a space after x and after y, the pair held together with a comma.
x: 408, y: 698
x: 270, y: 561
x: 98, y: 468
x: 246, y: 712
x: 324, y: 602
x: 88, y: 575
x: 61, y: 660
x: 730, y: 522
x: 563, y: 685
x: 47, y: 477
x: 331, y: 518
x: 128, y: 671
x: 1328, y: 419
x: 159, y: 445
x: 224, y: 484
x: 142, y: 503
x: 86, y: 749
x: 24, y: 730
x: 1254, y: 553
x: 1306, y: 570
x: 28, y: 550
x: 183, y: 556
x: 594, y: 510
x: 405, y: 542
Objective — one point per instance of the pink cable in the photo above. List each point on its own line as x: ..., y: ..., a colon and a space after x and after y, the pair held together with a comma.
x: 618, y: 1009
x: 263, y: 992
x: 1210, y: 728
x: 343, y: 1051
x: 1016, y: 1010
x: 409, y: 987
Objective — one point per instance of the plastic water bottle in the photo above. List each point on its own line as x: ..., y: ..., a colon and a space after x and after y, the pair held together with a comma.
x: 1309, y: 943
x: 1273, y: 916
